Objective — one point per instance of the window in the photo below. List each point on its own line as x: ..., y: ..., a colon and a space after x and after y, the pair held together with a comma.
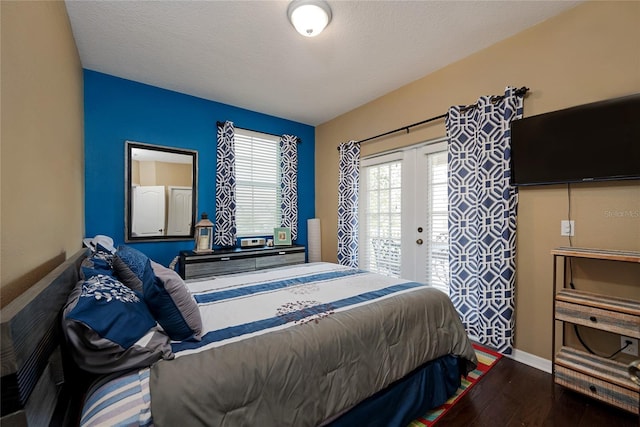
x: 257, y: 183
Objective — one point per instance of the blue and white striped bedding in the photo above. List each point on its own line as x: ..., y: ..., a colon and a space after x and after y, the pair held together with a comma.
x: 122, y: 401
x: 238, y: 307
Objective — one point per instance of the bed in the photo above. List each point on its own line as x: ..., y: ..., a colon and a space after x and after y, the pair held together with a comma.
x: 306, y: 345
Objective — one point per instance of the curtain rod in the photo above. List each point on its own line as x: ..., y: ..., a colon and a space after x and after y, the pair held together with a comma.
x: 497, y: 98
x: 299, y: 140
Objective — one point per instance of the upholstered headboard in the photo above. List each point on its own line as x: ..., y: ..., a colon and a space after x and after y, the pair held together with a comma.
x: 40, y: 383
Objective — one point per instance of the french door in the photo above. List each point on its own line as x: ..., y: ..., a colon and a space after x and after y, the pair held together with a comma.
x: 403, y: 214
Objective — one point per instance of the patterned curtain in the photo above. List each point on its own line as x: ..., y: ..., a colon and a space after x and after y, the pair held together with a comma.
x: 348, y: 185
x: 225, y: 221
x: 289, y: 183
x: 482, y: 217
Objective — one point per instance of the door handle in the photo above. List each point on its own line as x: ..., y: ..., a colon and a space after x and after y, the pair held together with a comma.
x: 419, y: 241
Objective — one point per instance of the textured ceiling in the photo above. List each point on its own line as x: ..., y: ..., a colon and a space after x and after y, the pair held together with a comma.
x: 247, y: 54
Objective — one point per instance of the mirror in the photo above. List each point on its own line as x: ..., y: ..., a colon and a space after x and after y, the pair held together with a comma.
x: 160, y: 192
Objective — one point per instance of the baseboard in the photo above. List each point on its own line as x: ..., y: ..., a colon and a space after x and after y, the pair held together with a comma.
x: 526, y: 358
x: 531, y: 360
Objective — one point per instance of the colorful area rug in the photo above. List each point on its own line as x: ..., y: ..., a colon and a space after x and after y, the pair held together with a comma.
x: 486, y: 360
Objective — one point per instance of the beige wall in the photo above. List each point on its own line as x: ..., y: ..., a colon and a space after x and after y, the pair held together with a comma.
x: 589, y: 53
x: 176, y: 174
x: 161, y: 173
x: 42, y: 175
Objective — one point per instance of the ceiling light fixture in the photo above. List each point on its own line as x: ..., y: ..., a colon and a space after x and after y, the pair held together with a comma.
x: 309, y: 17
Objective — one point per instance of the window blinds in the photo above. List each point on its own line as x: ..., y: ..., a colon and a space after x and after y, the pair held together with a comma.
x: 437, y: 265
x: 383, y: 218
x: 257, y: 183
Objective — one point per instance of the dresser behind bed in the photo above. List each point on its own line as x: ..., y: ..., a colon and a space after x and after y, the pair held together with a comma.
x: 40, y: 383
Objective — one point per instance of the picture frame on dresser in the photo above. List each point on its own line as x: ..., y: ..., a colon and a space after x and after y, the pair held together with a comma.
x: 282, y: 236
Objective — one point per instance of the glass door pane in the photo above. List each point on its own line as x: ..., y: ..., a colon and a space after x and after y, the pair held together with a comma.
x: 435, y: 218
x: 382, y: 218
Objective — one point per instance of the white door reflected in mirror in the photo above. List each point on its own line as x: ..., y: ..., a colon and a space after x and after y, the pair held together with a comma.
x: 148, y: 211
x: 180, y: 203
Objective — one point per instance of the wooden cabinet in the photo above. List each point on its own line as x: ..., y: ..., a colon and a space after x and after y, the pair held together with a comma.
x: 238, y: 260
x: 599, y: 377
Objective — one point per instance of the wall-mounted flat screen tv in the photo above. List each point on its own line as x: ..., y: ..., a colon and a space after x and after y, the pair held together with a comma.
x: 592, y: 142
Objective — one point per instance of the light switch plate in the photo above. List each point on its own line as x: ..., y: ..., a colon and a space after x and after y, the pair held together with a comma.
x: 567, y: 228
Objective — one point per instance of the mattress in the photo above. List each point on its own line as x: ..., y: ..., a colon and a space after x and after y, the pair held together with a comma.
x: 298, y: 345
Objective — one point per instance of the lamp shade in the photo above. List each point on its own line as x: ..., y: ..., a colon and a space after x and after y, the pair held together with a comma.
x: 309, y: 17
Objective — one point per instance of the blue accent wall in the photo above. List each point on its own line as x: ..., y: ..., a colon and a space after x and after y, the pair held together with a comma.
x: 117, y: 110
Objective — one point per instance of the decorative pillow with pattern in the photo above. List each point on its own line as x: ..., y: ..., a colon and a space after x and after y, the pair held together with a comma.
x: 110, y: 328
x: 129, y: 265
x: 99, y: 262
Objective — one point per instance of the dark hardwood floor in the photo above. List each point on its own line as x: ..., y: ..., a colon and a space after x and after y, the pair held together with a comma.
x: 514, y: 394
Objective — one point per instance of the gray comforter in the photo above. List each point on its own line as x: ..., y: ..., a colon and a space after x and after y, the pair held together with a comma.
x: 312, y: 371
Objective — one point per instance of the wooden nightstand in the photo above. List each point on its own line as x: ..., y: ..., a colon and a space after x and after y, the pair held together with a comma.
x: 601, y: 378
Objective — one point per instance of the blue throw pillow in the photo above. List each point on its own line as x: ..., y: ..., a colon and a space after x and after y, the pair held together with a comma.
x: 132, y: 268
x: 170, y: 304
x: 112, y: 310
x: 173, y: 305
x: 102, y: 252
x: 133, y: 258
x: 88, y: 272
x: 110, y: 329
x: 100, y: 262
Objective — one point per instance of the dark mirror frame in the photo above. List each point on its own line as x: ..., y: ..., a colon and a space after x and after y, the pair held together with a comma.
x: 128, y: 219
